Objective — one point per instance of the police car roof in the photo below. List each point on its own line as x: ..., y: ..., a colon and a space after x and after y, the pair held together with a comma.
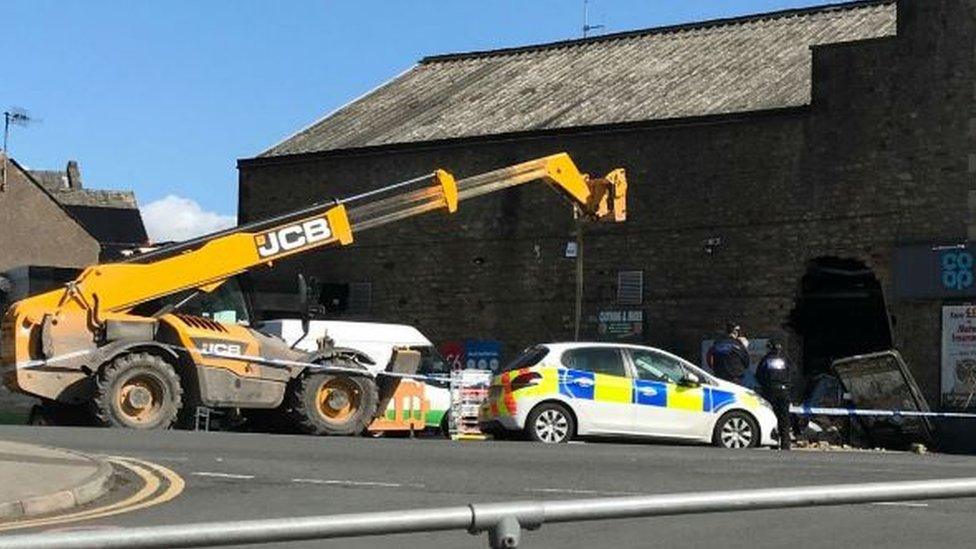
x: 566, y: 345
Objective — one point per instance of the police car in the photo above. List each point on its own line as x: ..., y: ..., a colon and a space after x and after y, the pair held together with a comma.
x: 557, y: 391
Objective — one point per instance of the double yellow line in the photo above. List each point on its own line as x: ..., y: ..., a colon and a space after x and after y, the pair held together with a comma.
x: 153, y: 476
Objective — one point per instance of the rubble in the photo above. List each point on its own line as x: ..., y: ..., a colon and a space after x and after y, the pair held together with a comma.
x: 823, y: 446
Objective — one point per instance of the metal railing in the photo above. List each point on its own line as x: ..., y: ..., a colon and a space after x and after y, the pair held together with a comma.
x: 502, y: 521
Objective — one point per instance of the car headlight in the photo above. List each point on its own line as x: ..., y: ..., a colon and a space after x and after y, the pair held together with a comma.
x: 765, y: 403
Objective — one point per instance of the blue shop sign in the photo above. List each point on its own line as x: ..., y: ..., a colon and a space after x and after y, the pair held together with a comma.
x: 482, y: 354
x: 935, y: 271
x: 957, y: 269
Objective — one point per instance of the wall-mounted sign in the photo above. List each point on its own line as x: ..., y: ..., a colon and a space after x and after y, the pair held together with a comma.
x: 935, y: 271
x: 482, y: 354
x: 623, y: 324
x: 472, y: 354
x: 959, y: 356
x: 453, y: 353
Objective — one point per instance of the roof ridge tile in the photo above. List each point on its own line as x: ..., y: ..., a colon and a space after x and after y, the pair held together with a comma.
x: 709, y: 24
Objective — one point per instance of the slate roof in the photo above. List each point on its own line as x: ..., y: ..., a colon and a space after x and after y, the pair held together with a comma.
x: 97, y: 198
x: 52, y: 180
x: 56, y: 183
x: 111, y: 217
x: 115, y: 229
x: 725, y: 66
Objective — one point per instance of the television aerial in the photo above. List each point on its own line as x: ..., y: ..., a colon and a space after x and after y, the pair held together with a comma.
x: 13, y: 116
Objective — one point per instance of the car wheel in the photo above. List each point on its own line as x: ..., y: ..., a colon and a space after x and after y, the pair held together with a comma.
x: 550, y: 423
x: 736, y: 430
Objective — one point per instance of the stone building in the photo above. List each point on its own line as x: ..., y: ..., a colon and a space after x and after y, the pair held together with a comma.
x: 50, y: 219
x: 112, y: 217
x: 806, y: 172
x: 51, y: 226
x: 37, y: 229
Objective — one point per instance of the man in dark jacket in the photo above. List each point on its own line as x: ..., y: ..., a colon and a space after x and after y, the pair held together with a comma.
x: 773, y: 377
x: 728, y: 357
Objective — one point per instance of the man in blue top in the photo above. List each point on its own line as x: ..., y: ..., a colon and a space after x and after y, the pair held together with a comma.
x: 728, y: 356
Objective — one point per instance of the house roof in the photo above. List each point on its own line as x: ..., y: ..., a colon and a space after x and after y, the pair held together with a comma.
x: 724, y: 66
x: 125, y: 200
x: 68, y: 193
x: 52, y: 180
x: 114, y: 228
x: 111, y: 217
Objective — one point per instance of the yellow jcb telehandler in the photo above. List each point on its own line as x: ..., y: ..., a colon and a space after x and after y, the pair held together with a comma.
x: 136, y: 342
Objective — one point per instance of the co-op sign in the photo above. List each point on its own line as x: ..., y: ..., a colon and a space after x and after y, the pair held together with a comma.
x: 935, y: 271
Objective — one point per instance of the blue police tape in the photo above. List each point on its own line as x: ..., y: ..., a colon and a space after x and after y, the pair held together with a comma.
x: 815, y: 411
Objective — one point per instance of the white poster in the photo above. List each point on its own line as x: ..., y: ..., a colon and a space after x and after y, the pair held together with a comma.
x: 959, y: 356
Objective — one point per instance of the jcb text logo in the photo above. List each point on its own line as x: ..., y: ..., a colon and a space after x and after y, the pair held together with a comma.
x: 293, y: 237
x: 217, y: 348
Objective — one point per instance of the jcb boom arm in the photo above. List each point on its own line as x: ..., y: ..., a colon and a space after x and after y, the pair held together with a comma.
x: 54, y: 344
x: 211, y: 259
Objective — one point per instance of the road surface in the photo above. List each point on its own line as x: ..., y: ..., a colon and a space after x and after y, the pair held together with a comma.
x: 231, y: 476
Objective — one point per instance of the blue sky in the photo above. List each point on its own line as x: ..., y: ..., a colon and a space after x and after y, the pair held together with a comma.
x: 164, y: 97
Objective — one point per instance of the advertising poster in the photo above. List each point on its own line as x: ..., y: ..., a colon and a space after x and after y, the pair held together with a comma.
x: 621, y: 325
x: 453, y: 353
x: 482, y: 354
x: 959, y: 356
x: 472, y: 354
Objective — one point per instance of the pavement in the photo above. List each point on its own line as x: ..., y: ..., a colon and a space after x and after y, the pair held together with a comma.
x: 37, y: 480
x: 241, y: 476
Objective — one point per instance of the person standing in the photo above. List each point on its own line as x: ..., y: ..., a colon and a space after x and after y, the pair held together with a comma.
x: 728, y: 357
x: 773, y: 376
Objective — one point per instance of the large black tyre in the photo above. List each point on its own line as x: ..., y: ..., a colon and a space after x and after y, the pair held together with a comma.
x: 444, y: 429
x: 550, y: 423
x: 137, y: 391
x: 333, y: 404
x: 736, y: 429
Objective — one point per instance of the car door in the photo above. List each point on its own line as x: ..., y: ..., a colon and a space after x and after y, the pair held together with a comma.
x: 663, y: 406
x: 599, y: 386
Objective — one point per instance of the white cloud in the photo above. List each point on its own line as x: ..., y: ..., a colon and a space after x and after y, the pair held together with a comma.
x: 178, y: 218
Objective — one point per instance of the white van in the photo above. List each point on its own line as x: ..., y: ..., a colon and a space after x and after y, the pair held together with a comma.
x: 377, y: 341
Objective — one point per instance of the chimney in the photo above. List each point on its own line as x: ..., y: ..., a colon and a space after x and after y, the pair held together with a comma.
x: 74, y: 175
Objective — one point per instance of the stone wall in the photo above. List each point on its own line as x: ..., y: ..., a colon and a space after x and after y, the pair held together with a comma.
x: 883, y: 156
x: 36, y: 231
x: 497, y: 268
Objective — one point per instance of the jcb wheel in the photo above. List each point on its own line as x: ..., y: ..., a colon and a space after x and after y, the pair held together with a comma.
x: 137, y: 391
x: 334, y: 404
